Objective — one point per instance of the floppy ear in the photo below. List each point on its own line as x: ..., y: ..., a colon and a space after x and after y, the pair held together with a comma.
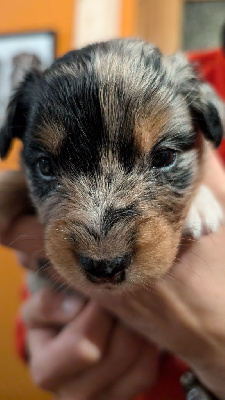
x: 208, y: 112
x: 206, y: 109
x: 18, y: 110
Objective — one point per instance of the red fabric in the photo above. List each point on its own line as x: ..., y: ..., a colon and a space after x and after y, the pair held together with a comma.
x: 212, y: 67
x: 20, y: 338
x: 168, y: 386
x: 20, y: 329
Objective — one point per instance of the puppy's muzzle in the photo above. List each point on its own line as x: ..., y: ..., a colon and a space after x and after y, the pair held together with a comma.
x: 105, y: 271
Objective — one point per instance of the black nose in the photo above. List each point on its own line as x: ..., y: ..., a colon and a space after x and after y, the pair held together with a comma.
x: 105, y: 268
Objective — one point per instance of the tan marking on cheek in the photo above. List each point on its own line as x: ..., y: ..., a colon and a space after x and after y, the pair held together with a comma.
x: 149, y: 130
x: 156, y: 247
x: 51, y: 137
x: 59, y: 252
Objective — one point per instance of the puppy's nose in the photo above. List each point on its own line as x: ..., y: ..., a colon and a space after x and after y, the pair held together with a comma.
x: 105, y: 268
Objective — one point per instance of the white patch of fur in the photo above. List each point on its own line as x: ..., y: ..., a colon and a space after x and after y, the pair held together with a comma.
x: 205, y: 214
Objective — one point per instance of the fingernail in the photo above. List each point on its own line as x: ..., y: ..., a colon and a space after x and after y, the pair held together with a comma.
x: 71, y: 305
x: 89, y: 350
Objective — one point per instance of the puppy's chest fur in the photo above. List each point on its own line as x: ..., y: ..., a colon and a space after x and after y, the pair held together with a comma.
x: 114, y: 144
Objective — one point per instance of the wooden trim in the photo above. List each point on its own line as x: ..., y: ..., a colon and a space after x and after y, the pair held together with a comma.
x: 160, y: 22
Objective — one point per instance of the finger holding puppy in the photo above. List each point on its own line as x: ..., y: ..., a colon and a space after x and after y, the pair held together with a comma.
x: 25, y: 235
x: 123, y: 350
x: 46, y: 308
x: 13, y: 186
x: 140, y: 376
x: 58, y: 351
x: 77, y: 350
x: 122, y: 379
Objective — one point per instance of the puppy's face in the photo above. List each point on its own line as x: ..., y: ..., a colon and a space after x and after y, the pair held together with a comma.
x: 113, y: 154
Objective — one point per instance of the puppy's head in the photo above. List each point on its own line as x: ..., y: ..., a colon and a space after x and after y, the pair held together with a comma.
x: 113, y: 140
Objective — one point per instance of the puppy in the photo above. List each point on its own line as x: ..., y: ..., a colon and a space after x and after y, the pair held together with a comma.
x: 115, y: 138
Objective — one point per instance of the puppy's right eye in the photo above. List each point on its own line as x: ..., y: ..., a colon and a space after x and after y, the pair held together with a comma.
x: 45, y: 167
x: 164, y: 158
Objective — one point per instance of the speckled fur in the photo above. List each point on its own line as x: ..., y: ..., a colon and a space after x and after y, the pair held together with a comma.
x: 101, y: 114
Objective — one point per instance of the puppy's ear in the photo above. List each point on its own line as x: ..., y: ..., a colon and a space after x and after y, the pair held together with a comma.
x: 18, y: 110
x: 207, y: 110
x: 208, y: 113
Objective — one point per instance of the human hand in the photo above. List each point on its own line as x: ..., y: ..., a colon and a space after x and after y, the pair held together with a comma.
x: 26, y: 237
x: 76, y: 349
x: 184, y: 311
x: 79, y: 351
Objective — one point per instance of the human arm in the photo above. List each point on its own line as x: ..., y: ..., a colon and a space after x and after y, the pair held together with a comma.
x: 184, y: 311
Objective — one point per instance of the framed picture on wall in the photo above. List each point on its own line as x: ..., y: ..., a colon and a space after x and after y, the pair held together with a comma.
x: 19, y: 53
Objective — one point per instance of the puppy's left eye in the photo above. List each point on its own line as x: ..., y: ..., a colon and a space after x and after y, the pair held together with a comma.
x: 45, y: 167
x: 164, y: 158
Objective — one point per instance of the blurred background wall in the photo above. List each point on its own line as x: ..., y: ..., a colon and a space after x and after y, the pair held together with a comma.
x: 170, y: 24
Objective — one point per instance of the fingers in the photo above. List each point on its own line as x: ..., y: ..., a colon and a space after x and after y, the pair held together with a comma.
x: 77, y: 350
x: 25, y: 235
x: 123, y: 350
x: 46, y: 308
x: 136, y: 379
x: 58, y: 356
x: 114, y: 369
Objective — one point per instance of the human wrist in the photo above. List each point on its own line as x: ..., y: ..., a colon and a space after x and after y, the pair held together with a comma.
x: 212, y: 378
x: 207, y: 362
